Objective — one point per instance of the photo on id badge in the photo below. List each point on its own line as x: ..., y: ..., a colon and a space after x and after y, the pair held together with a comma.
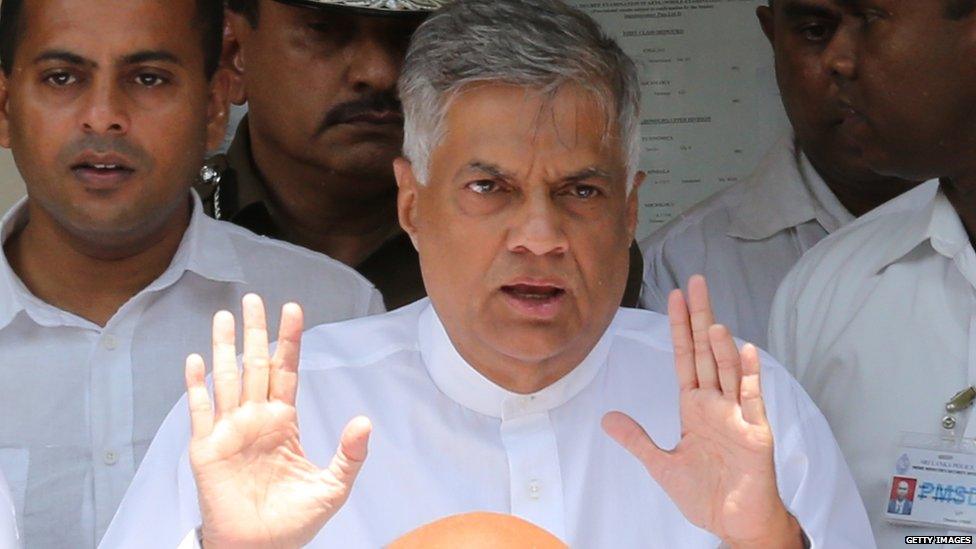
x: 902, y: 495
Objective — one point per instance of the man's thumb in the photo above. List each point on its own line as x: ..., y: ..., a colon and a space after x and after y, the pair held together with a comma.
x: 629, y: 434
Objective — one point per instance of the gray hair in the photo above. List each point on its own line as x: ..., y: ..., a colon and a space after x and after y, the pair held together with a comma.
x: 541, y: 44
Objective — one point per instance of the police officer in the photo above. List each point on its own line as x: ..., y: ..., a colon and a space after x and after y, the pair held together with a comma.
x: 311, y: 162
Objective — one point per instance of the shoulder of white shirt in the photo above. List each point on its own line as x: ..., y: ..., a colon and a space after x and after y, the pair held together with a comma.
x: 652, y: 330
x: 725, y: 200
x: 362, y: 341
x: 868, y: 238
x: 725, y: 203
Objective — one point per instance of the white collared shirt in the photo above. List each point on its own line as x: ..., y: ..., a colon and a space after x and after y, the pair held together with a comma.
x: 879, y: 324
x: 80, y: 403
x: 744, y: 239
x: 9, y: 538
x: 446, y: 440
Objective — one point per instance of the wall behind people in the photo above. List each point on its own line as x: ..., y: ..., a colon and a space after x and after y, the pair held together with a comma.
x: 711, y: 107
x: 11, y: 185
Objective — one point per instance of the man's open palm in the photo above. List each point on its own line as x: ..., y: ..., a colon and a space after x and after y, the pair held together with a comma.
x: 256, y: 487
x: 721, y: 474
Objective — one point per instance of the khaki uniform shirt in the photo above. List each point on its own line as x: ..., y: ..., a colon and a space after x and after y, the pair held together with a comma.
x: 233, y: 190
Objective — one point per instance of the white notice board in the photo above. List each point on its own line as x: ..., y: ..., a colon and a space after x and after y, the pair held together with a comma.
x: 710, y: 107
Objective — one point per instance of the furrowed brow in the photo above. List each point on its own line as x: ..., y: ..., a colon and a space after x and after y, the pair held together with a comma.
x: 490, y: 169
x: 588, y: 173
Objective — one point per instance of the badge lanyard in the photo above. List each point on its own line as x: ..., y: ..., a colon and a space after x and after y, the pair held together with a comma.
x: 958, y: 403
x: 964, y: 398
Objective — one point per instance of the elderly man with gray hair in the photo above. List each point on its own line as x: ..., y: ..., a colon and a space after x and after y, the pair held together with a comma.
x: 498, y: 393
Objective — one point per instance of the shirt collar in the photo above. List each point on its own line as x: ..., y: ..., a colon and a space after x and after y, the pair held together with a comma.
x: 14, y: 294
x: 785, y: 191
x: 466, y: 386
x: 205, y: 250
x: 926, y: 215
x: 828, y: 211
x: 12, y: 290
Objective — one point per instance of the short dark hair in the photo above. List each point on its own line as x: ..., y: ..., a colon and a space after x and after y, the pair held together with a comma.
x: 209, y: 19
x: 247, y: 8
x: 957, y: 9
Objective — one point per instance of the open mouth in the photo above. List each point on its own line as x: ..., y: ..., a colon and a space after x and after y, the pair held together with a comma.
x: 101, y: 171
x: 533, y: 292
x: 848, y: 111
x: 538, y: 301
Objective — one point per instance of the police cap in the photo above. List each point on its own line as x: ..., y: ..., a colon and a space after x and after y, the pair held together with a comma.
x: 375, y: 7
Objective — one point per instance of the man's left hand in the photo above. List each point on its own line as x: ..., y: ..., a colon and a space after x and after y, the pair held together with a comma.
x: 721, y: 474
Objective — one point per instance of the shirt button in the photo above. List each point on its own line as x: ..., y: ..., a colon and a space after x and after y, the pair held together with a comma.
x: 110, y: 458
x: 535, y: 489
x: 110, y: 342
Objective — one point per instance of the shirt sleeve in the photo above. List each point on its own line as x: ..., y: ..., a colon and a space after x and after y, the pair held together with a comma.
x: 813, y: 478
x: 160, y: 506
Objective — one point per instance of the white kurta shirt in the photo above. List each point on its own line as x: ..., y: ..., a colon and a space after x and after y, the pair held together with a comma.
x: 9, y: 538
x: 744, y: 239
x: 879, y: 323
x: 446, y: 440
x: 80, y: 403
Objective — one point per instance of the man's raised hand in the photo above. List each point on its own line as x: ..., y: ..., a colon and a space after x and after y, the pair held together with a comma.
x: 256, y: 487
x: 721, y: 474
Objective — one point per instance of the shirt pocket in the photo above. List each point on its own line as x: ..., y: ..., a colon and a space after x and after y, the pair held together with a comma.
x: 14, y: 462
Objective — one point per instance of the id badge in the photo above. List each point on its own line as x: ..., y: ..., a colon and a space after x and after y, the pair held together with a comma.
x: 933, y: 483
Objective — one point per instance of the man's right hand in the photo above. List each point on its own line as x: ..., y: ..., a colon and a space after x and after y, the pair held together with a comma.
x: 256, y: 487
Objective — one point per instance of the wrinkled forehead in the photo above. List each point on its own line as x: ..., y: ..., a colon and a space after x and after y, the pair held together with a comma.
x: 566, y: 128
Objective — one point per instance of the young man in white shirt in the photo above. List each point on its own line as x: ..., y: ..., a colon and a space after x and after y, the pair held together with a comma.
x: 877, y: 321
x: 520, y: 195
x: 110, y: 271
x: 745, y: 239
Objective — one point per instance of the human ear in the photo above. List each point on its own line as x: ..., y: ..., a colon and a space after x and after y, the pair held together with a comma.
x: 407, y: 186
x: 236, y: 30
x: 217, y: 108
x: 767, y: 22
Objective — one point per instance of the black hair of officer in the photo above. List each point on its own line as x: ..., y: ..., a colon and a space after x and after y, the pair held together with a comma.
x: 209, y: 19
x: 247, y: 8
